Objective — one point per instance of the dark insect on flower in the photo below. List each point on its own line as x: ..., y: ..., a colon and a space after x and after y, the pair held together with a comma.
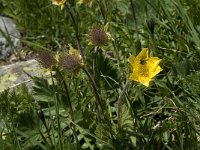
x: 142, y: 62
x: 46, y: 59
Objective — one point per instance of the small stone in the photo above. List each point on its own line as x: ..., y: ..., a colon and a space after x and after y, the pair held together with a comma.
x: 8, y: 30
x: 13, y: 75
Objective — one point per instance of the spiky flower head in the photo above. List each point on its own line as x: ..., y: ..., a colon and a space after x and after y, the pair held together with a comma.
x: 46, y: 58
x: 71, y: 61
x: 99, y: 36
x: 60, y: 3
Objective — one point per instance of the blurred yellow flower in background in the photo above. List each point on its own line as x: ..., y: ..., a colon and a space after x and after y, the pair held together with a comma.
x: 60, y: 3
x: 144, y: 67
x: 89, y: 2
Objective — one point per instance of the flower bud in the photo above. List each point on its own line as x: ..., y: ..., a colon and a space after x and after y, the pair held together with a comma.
x: 151, y: 25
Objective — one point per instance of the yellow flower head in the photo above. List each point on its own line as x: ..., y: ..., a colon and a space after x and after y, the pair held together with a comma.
x: 71, y: 61
x: 60, y: 3
x: 144, y: 67
x: 89, y: 2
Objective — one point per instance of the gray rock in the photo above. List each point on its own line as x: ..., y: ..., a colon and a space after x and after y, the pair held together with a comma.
x: 8, y: 32
x: 13, y: 75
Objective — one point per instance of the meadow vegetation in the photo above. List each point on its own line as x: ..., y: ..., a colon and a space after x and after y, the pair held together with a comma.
x: 123, y: 74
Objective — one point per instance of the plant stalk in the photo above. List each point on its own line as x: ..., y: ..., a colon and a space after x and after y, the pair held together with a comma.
x: 70, y: 108
x: 134, y: 17
x: 119, y: 101
x: 75, y: 26
x: 95, y: 78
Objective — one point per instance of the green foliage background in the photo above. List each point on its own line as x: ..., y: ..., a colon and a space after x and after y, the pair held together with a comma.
x: 164, y: 115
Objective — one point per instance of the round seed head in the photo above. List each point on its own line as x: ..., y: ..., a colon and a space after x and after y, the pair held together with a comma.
x: 71, y: 61
x: 98, y: 36
x: 46, y: 59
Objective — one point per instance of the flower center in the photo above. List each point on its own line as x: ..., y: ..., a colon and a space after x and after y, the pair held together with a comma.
x: 143, y: 70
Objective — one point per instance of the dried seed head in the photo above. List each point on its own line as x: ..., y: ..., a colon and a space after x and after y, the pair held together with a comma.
x: 98, y: 36
x: 71, y: 61
x: 46, y: 59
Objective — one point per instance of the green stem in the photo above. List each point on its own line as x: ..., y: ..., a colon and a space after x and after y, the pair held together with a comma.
x: 95, y: 78
x: 41, y: 116
x: 102, y: 10
x: 58, y: 121
x: 106, y: 116
x: 94, y: 86
x: 75, y: 26
x: 14, y: 134
x: 134, y: 17
x: 105, y: 20
x: 70, y: 108
x: 155, y: 51
x: 95, y: 65
x: 119, y: 101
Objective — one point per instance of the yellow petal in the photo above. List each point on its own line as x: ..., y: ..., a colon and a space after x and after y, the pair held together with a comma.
x: 133, y: 77
x: 143, y: 54
x: 85, y: 1
x: 106, y: 27
x: 143, y: 80
x: 153, y: 62
x: 155, y: 72
x: 153, y: 65
x: 62, y: 6
x: 71, y: 50
x: 80, y: 2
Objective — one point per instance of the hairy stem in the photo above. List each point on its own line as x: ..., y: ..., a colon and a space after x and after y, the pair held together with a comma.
x: 95, y: 77
x: 94, y: 86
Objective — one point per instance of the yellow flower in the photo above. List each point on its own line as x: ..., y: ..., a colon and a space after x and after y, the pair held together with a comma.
x: 60, y: 3
x: 89, y: 2
x: 144, y: 67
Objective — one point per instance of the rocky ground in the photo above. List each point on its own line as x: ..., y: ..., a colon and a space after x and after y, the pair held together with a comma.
x: 15, y: 74
x: 14, y: 62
